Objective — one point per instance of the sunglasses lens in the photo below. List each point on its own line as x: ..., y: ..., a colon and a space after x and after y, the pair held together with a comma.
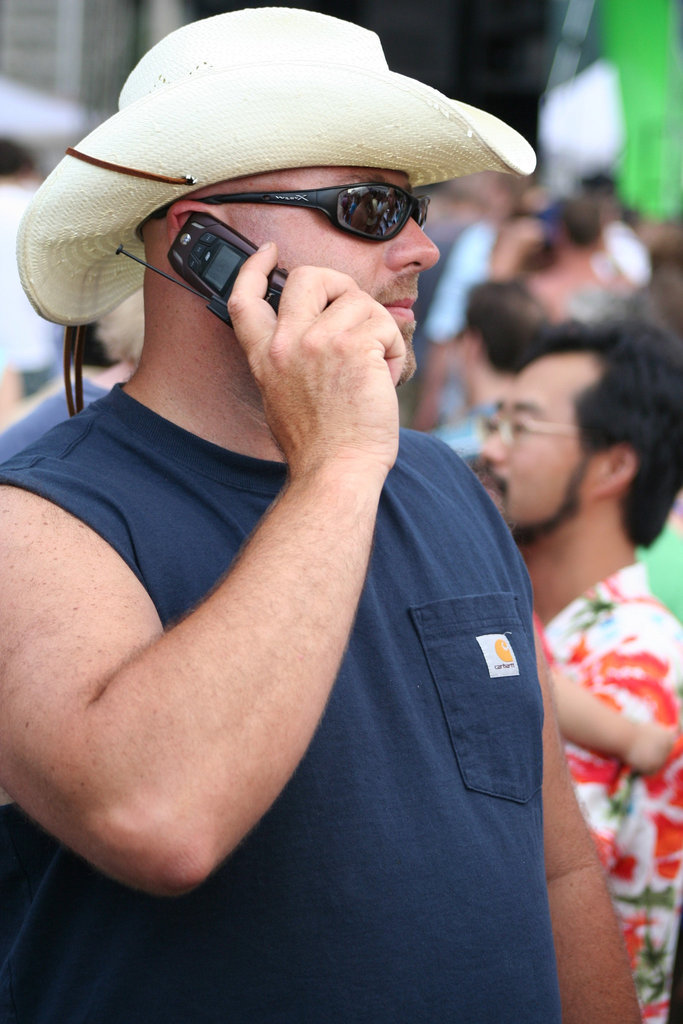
x: 422, y: 207
x: 379, y: 211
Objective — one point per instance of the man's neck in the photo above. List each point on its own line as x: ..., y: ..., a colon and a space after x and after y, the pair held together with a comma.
x: 193, y: 372
x: 565, y: 564
x: 216, y: 410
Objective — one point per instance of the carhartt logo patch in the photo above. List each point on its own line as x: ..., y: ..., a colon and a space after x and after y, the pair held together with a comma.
x: 499, y: 655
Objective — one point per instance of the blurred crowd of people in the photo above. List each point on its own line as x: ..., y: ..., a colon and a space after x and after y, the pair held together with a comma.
x: 582, y: 256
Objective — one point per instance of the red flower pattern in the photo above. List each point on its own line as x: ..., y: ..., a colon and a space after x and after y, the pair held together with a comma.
x: 622, y: 645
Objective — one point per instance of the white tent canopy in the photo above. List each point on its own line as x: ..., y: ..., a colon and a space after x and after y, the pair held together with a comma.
x: 37, y: 118
x: 581, y: 126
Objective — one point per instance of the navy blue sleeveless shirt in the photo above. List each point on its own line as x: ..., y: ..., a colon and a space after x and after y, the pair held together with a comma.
x: 399, y: 877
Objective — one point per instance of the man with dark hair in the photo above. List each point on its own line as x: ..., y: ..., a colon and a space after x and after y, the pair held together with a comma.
x: 502, y: 319
x: 581, y: 219
x: 506, y: 318
x: 587, y: 452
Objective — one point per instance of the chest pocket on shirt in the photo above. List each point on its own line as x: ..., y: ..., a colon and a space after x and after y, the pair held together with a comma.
x: 483, y: 664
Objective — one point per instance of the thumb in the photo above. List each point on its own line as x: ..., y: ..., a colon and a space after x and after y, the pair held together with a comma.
x: 253, y: 319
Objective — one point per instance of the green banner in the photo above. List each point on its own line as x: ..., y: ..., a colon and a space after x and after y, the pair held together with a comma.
x: 642, y: 38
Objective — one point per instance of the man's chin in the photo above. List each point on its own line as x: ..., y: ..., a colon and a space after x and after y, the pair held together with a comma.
x: 524, y: 536
x: 491, y: 484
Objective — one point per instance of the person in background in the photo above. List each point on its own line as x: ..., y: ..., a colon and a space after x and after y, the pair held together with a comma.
x: 501, y: 320
x: 28, y: 341
x: 662, y: 302
x: 119, y: 334
x: 587, y: 720
x: 587, y: 453
x: 642, y: 278
x: 263, y: 758
x: 10, y: 390
x: 661, y: 298
x: 581, y: 281
x: 493, y: 198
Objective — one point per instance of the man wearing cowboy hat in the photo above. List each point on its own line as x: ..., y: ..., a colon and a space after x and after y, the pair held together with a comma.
x: 271, y: 727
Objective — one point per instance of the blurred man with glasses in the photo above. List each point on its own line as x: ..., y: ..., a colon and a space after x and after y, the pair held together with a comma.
x: 586, y: 454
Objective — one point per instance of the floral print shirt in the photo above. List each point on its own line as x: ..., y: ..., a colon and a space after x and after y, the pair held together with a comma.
x: 619, y: 642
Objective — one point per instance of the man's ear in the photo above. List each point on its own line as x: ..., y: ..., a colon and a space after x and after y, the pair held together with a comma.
x: 178, y: 214
x: 614, y: 470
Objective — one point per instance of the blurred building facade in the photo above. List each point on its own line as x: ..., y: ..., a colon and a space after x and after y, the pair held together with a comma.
x: 486, y: 52
x: 77, y: 51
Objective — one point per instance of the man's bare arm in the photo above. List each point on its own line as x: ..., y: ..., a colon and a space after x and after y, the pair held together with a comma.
x: 595, y: 976
x: 152, y: 754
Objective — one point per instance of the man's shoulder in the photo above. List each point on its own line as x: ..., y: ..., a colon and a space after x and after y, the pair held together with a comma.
x: 432, y: 459
x: 619, y: 618
x: 626, y: 595
x: 440, y: 491
x: 72, y: 464
x: 416, y: 445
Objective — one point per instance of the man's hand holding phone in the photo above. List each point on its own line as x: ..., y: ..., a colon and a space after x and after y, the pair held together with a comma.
x: 327, y: 366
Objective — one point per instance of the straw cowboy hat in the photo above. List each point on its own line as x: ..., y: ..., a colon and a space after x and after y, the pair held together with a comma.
x: 236, y: 94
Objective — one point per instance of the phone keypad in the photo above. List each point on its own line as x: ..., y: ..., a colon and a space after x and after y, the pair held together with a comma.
x: 201, y: 252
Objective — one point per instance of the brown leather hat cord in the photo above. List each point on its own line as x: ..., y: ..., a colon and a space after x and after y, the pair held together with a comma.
x: 74, y: 345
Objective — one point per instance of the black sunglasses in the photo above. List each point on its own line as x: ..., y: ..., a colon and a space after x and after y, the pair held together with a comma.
x: 373, y: 210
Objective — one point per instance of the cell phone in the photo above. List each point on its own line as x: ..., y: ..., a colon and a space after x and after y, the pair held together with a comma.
x: 208, y: 255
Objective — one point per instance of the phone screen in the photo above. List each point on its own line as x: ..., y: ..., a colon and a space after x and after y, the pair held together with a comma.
x: 221, y: 273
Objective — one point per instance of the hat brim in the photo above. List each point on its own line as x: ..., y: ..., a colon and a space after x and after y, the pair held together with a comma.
x: 286, y: 115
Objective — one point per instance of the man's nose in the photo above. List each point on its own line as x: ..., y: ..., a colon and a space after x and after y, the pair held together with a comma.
x: 412, y: 247
x: 494, y: 450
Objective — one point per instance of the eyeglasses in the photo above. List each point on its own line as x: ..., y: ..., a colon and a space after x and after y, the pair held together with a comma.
x: 374, y: 210
x: 513, y: 429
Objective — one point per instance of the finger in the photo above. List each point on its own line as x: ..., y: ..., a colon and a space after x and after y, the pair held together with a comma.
x: 253, y: 319
x: 314, y: 297
x: 307, y: 293
x: 395, y: 355
x: 355, y: 312
x: 378, y: 327
x: 351, y: 314
x: 310, y: 291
